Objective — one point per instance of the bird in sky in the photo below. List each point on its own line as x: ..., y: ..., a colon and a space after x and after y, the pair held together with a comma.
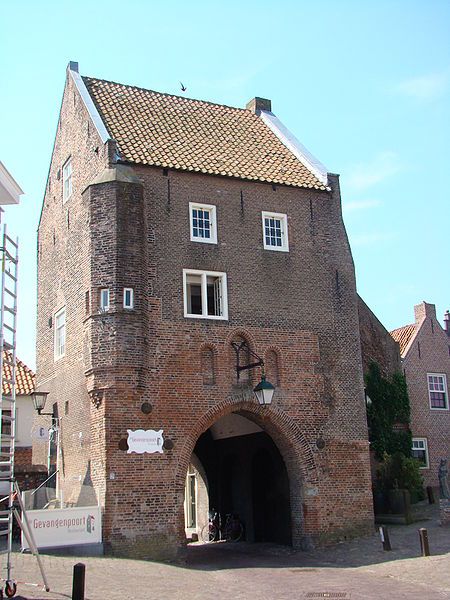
x: 183, y: 87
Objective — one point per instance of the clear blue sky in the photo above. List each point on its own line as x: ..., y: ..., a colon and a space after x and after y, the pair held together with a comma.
x: 364, y: 85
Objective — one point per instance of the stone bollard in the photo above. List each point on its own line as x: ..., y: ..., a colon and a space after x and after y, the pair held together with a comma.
x: 384, y: 535
x: 424, y: 545
x: 79, y: 574
x: 444, y: 507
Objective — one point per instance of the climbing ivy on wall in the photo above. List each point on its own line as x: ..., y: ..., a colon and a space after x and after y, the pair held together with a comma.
x: 390, y: 405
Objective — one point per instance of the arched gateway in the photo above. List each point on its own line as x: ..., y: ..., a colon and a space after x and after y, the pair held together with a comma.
x: 249, y: 460
x: 179, y: 275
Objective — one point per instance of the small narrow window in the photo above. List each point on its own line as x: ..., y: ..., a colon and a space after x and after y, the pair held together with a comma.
x: 128, y: 298
x: 205, y: 294
x: 275, y: 233
x: 420, y: 452
x: 66, y: 407
x: 271, y: 363
x: 203, y: 223
x: 60, y: 333
x: 67, y: 180
x: 208, y: 370
x: 241, y: 356
x: 104, y: 299
x: 437, y: 391
x: 87, y: 302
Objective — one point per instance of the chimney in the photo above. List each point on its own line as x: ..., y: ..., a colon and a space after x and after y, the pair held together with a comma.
x: 447, y: 323
x: 258, y: 104
x: 424, y: 311
x: 72, y: 66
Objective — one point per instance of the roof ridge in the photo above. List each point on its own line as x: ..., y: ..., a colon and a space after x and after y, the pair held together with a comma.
x: 137, y: 87
x: 403, y: 327
x: 21, y: 363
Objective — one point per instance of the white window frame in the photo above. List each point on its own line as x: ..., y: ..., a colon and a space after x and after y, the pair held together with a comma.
x: 425, y: 448
x: 104, y: 299
x: 60, y: 334
x: 284, y: 231
x: 67, y: 171
x: 130, y: 291
x: 223, y: 299
x: 190, y: 514
x: 213, y: 222
x: 444, y: 379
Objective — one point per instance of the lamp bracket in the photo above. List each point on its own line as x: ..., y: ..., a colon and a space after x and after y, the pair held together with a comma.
x: 238, y: 348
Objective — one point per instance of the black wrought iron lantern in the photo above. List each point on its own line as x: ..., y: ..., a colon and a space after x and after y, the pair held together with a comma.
x: 39, y: 399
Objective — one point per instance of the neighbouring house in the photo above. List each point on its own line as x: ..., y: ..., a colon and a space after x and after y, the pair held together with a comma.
x: 27, y: 474
x: 179, y: 240
x: 425, y: 351
x: 10, y: 191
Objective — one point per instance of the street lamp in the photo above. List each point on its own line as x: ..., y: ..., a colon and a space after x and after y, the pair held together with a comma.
x: 39, y: 399
x: 264, y: 390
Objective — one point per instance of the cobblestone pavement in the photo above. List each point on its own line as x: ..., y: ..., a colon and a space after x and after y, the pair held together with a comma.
x: 356, y: 570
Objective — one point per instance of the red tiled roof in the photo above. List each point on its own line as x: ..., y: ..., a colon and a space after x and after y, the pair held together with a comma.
x: 25, y: 378
x: 181, y: 133
x: 403, y: 336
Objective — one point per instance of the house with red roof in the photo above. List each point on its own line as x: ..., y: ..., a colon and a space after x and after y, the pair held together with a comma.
x: 425, y: 352
x: 183, y: 246
x: 27, y: 474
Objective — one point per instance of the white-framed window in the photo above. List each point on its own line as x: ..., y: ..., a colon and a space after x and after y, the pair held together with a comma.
x: 128, y: 298
x: 275, y: 231
x: 205, y: 294
x: 104, y: 299
x: 60, y: 333
x: 419, y: 451
x: 67, y: 180
x: 203, y: 223
x: 190, y: 500
x: 437, y: 391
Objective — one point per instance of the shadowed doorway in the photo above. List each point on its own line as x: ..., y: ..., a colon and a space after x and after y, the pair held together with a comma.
x: 247, y: 476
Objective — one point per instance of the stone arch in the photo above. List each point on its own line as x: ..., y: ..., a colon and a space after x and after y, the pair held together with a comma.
x: 287, y: 436
x: 208, y: 363
x: 239, y: 335
x: 273, y: 365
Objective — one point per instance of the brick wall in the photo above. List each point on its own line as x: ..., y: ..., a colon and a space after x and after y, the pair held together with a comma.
x: 64, y: 279
x: 377, y: 345
x: 300, y: 307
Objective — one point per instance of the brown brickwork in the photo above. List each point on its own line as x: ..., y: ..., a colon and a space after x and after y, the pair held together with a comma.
x: 428, y: 352
x: 377, y: 345
x: 130, y: 228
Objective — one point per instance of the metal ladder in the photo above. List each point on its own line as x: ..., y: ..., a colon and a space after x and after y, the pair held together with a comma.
x: 8, y: 319
x: 9, y: 258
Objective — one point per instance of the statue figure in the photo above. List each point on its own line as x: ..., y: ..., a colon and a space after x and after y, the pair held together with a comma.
x: 443, y: 483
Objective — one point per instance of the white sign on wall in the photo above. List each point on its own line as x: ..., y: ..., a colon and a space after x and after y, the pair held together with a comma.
x: 141, y: 441
x: 41, y: 433
x: 52, y: 528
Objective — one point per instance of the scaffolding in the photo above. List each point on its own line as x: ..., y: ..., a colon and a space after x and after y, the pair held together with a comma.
x: 9, y: 257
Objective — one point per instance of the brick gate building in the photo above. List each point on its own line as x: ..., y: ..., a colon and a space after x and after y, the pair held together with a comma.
x: 171, y: 228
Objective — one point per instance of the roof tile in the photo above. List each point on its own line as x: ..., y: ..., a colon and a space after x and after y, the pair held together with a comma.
x: 25, y: 378
x: 174, y: 132
x: 403, y: 336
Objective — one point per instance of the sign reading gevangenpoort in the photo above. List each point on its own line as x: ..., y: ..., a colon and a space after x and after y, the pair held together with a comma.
x: 141, y: 441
